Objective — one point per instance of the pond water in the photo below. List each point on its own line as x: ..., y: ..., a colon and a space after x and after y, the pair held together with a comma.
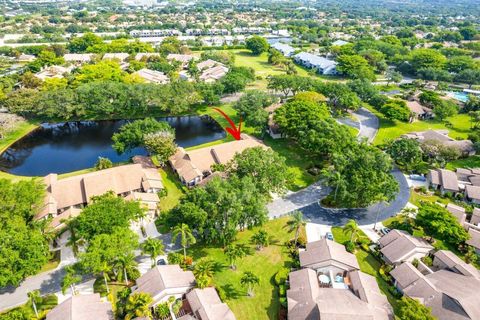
x: 71, y: 146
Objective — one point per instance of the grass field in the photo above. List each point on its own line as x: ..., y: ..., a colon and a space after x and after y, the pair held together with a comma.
x: 265, y: 263
x: 175, y: 189
x: 470, y: 162
x: 390, y: 130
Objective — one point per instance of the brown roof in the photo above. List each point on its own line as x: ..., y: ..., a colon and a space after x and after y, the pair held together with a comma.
x: 325, y: 250
x: 78, y: 190
x: 415, y: 107
x: 57, y: 221
x: 448, y: 179
x: 161, y: 278
x: 474, y: 240
x: 472, y: 192
x: 206, y: 305
x: 397, y: 244
x: 82, y: 307
x: 405, y: 274
x: 434, y: 177
x: 465, y: 146
x: 455, y: 264
x: 458, y: 212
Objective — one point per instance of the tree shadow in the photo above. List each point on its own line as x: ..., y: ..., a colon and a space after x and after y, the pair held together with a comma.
x: 231, y: 292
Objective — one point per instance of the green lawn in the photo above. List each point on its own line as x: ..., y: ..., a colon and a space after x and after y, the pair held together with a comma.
x: 416, y: 197
x: 390, y: 130
x: 175, y: 189
x: 21, y: 130
x: 470, y: 162
x: 344, y: 237
x: 265, y: 304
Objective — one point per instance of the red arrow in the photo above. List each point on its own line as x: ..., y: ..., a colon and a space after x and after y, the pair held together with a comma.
x: 233, y: 130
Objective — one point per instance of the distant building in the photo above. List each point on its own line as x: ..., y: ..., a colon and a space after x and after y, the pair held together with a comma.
x: 213, y: 74
x: 322, y: 65
x: 285, y: 49
x: 339, y: 43
x: 78, y: 57
x: 184, y: 59
x: 152, y: 76
x: 116, y: 56
x: 145, y: 55
x: 399, y: 246
x: 52, y: 72
x: 465, y: 147
x: 26, y: 58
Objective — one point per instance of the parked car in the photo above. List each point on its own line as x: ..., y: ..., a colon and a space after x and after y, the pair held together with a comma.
x: 417, y: 177
x: 384, y: 231
x: 329, y: 236
x: 161, y: 262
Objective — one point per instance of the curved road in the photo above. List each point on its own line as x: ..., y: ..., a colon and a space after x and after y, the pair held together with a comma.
x: 308, y: 200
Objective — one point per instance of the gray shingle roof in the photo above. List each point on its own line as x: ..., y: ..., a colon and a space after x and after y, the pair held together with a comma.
x: 325, y: 250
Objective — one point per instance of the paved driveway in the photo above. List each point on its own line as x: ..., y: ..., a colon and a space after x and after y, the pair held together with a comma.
x: 368, y: 124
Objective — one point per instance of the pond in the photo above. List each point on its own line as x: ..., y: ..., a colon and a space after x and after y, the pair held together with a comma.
x: 71, y: 146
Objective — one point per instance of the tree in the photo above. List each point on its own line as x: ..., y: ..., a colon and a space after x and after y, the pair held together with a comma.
x: 296, y: 223
x: 405, y: 152
x: 70, y: 279
x: 340, y: 97
x: 105, y: 70
x: 257, y: 45
x: 469, y: 76
x: 355, y: 67
x: 251, y: 107
x: 104, y: 249
x: 103, y: 163
x: 396, y: 110
x: 444, y: 109
x: 234, y: 252
x: 460, y: 63
x: 153, y: 247
x: 260, y: 239
x: 437, y: 221
x: 361, y: 176
x: 249, y: 280
x: 127, y: 265
x: 105, y: 213
x: 203, y: 271
x: 34, y: 297
x: 352, y: 228
x: 436, y: 151
x: 132, y: 134
x: 24, y: 244
x: 426, y: 58
x: 138, y: 306
x: 393, y: 76
x: 78, y: 45
x: 411, y: 309
x: 267, y: 169
x: 161, y: 144
x: 186, y: 237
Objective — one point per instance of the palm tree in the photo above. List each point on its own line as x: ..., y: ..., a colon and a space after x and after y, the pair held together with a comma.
x: 296, y: 223
x: 233, y: 252
x: 260, y: 239
x: 105, y: 269
x: 249, y: 280
x: 33, y: 298
x: 202, y: 281
x: 352, y: 227
x: 204, y: 267
x: 186, y: 237
x: 126, y: 263
x: 138, y: 306
x: 74, y: 240
x: 69, y: 280
x: 153, y: 247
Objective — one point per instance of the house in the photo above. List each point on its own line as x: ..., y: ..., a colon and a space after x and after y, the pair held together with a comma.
x: 472, y: 193
x: 78, y: 57
x: 285, y: 49
x: 82, y: 307
x: 205, y: 304
x: 207, y: 64
x: 213, y: 74
x: 152, y: 76
x: 26, y: 58
x: 184, y: 59
x: 443, y: 180
x: 52, y: 72
x: 418, y: 111
x: 399, y: 246
x: 121, y: 56
x: 63, y: 196
x: 325, y: 253
x: 163, y: 282
x: 447, y: 260
x: 273, y: 128
x: 193, y: 166
x: 450, y: 295
x: 474, y: 240
x: 458, y: 212
x: 339, y: 43
x: 311, y: 61
x: 465, y: 147
x: 146, y: 55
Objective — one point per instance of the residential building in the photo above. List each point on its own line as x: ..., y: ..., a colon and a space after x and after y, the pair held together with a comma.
x: 447, y: 260
x: 213, y: 74
x: 474, y: 240
x: 285, y: 49
x: 322, y: 65
x: 184, y: 59
x: 330, y: 286
x: 458, y: 212
x: 465, y: 147
x: 155, y: 33
x: 399, y: 246
x: 451, y: 295
x: 443, y: 180
x: 66, y: 196
x: 78, y: 57
x: 121, y: 56
x: 205, y: 304
x: 163, y: 282
x: 462, y: 181
x: 152, y: 76
x: 193, y: 166
x: 207, y: 64
x: 26, y: 58
x: 339, y: 43
x: 82, y: 307
x: 418, y: 111
x: 145, y: 55
x: 52, y: 72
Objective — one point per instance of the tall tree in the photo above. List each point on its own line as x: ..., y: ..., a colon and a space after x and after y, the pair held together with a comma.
x: 153, y: 247
x: 234, y: 252
x: 352, y: 228
x: 186, y: 237
x: 249, y: 280
x: 161, y: 144
x: 411, y: 309
x: 138, y: 306
x: 34, y: 297
x: 257, y: 45
x: 296, y: 223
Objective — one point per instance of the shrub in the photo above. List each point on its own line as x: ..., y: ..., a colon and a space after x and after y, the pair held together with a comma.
x: 350, y: 246
x: 427, y: 260
x: 415, y: 263
x: 281, y: 276
x: 162, y: 310
x: 283, y: 302
x: 174, y: 258
x: 282, y: 290
x: 301, y: 241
